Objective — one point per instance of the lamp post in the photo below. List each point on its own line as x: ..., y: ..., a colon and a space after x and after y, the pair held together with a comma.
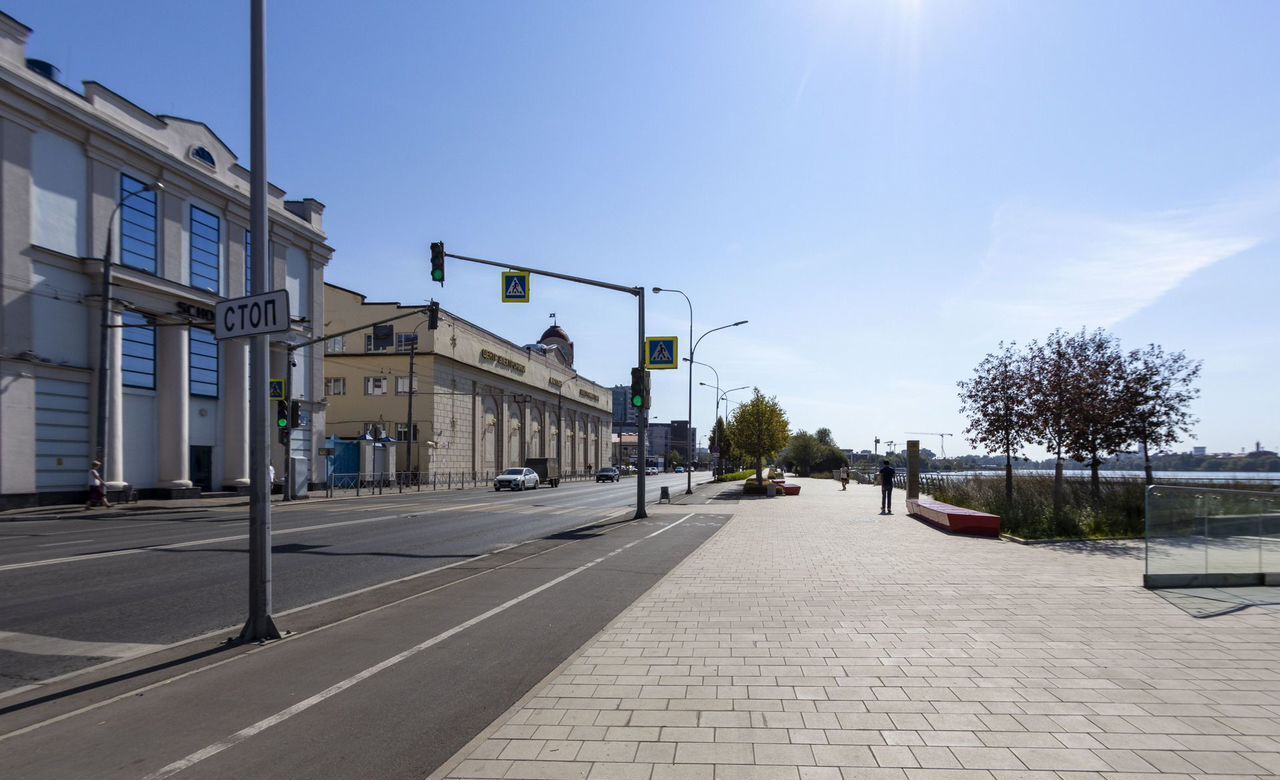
x: 693, y: 350
x: 104, y: 341
x: 716, y: 416
x: 409, y: 437
x: 725, y: 397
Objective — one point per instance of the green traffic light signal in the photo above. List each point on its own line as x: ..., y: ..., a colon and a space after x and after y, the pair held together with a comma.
x: 637, y: 401
x: 437, y: 262
x: 282, y: 414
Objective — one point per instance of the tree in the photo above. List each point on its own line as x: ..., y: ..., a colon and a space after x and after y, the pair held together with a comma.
x: 674, y: 458
x: 1158, y: 388
x: 758, y: 429
x: 720, y: 441
x: 803, y: 451
x: 1098, y: 402
x: 823, y: 437
x: 997, y: 407
x: 1051, y: 381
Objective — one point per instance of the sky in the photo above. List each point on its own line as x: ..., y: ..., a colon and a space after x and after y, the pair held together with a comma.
x: 885, y: 190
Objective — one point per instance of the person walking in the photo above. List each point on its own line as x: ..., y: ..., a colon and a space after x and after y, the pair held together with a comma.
x: 844, y: 477
x: 97, y: 488
x: 886, y: 488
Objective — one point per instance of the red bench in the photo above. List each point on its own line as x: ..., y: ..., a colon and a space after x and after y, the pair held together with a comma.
x: 954, y: 518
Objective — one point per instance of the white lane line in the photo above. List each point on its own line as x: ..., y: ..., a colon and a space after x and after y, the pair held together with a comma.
x: 194, y: 543
x: 34, y: 644
x: 59, y: 544
x: 333, y: 690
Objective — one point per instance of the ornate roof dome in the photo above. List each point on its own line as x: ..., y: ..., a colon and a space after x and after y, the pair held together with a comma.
x: 555, y: 332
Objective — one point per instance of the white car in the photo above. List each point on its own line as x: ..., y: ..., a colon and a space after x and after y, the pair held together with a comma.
x: 651, y: 471
x: 516, y: 479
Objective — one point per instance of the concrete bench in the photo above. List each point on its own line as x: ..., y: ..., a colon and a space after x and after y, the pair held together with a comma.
x: 954, y: 518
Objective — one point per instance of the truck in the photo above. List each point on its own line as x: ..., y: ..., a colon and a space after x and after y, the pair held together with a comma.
x: 548, y: 470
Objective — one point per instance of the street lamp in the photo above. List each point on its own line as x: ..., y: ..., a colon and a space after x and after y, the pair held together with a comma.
x: 104, y: 340
x: 408, y: 434
x: 716, y: 416
x: 725, y: 397
x: 693, y: 350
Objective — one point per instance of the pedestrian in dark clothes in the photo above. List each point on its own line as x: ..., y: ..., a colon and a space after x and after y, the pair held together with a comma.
x: 886, y: 488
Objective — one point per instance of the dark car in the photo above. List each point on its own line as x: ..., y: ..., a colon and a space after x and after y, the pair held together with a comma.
x: 608, y: 474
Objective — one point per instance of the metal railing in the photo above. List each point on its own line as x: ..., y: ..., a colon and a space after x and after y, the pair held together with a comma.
x: 1211, y: 537
x: 416, y: 482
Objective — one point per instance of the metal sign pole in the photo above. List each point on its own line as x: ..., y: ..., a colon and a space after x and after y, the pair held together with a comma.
x: 259, y: 626
x: 642, y: 422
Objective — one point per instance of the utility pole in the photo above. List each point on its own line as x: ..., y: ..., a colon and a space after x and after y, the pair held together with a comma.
x: 259, y: 627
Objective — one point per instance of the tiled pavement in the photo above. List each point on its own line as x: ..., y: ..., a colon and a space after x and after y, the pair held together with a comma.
x: 812, y: 639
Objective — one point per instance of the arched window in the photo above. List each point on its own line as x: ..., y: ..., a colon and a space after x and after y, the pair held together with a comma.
x: 203, y: 155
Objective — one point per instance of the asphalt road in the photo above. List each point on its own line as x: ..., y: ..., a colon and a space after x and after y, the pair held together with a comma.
x: 76, y: 592
x: 388, y: 683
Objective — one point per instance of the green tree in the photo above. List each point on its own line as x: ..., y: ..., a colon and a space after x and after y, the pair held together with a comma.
x: 758, y: 429
x: 1158, y: 388
x: 996, y: 405
x: 674, y: 458
x: 803, y: 451
x: 720, y: 441
x: 1052, y: 380
x: 1097, y: 419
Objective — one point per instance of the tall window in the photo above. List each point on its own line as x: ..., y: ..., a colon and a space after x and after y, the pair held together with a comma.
x: 137, y: 225
x: 335, y: 385
x: 138, y: 366
x: 206, y: 239
x: 204, y: 363
x: 368, y: 345
x: 338, y: 344
x: 248, y: 262
x: 402, y: 385
x: 375, y: 385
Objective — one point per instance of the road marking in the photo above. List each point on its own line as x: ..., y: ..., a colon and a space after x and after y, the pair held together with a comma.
x: 59, y: 544
x: 194, y: 543
x: 34, y: 644
x: 333, y: 690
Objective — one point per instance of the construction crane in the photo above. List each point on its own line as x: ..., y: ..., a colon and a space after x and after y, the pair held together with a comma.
x: 942, y: 439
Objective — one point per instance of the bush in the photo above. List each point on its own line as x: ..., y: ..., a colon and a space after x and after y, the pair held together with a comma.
x: 736, y: 476
x: 1118, y: 512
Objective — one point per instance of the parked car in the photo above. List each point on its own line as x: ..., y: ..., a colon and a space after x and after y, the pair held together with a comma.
x: 547, y: 469
x: 679, y: 469
x: 608, y: 474
x: 651, y: 471
x: 516, y: 479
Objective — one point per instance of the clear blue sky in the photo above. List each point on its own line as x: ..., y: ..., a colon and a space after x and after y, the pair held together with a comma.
x: 885, y: 189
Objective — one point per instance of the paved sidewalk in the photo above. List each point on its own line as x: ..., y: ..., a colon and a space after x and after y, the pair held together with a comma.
x: 812, y: 639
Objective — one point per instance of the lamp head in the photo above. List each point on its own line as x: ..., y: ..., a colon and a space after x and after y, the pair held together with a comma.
x: 657, y: 290
x: 741, y: 322
x: 155, y: 186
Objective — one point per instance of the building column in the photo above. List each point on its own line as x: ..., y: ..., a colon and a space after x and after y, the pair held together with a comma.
x: 173, y: 396
x: 235, y: 415
x: 114, y: 449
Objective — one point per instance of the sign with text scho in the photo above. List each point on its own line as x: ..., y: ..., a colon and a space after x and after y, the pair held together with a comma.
x: 515, y: 286
x: 660, y: 353
x: 252, y: 315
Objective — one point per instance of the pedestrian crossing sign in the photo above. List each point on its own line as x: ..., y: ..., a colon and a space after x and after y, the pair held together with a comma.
x: 275, y: 389
x: 515, y: 286
x: 660, y: 352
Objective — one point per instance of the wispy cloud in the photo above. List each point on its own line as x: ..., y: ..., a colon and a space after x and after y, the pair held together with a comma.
x: 1047, y: 268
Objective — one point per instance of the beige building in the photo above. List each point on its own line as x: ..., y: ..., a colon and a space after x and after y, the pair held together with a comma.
x: 85, y: 173
x: 480, y: 404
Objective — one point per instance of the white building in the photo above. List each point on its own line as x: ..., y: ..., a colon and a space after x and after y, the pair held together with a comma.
x: 177, y: 403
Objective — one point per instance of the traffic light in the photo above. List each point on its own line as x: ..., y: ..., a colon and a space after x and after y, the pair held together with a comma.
x: 282, y: 422
x: 433, y: 316
x: 437, y: 262
x: 295, y: 414
x: 639, y: 388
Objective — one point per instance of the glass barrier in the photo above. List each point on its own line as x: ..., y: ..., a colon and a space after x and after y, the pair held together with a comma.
x: 1208, y: 537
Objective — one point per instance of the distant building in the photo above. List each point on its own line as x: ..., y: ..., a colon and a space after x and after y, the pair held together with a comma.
x: 481, y: 403
x: 625, y: 416
x: 1199, y: 452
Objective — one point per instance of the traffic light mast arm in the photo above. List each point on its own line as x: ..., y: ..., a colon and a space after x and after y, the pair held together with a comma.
x: 568, y: 278
x: 426, y: 310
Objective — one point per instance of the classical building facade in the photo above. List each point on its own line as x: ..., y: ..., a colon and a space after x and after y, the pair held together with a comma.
x: 481, y: 403
x: 78, y: 171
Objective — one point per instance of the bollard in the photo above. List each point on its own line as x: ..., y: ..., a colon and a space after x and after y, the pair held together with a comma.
x: 665, y: 495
